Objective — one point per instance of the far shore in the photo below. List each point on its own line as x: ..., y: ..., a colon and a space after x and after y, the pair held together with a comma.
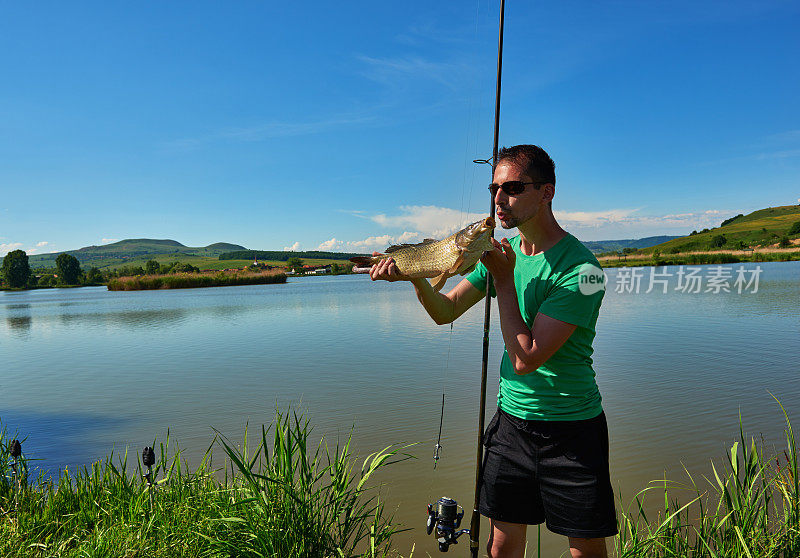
x: 704, y: 257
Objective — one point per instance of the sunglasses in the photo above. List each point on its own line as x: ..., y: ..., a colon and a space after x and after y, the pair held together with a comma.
x: 512, y: 187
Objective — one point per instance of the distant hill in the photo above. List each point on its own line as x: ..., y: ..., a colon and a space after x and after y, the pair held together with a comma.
x: 131, y: 249
x: 598, y: 246
x: 764, y: 227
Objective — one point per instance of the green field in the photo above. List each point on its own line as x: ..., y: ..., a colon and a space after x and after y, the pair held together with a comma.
x: 137, y: 252
x: 760, y: 228
x: 205, y: 263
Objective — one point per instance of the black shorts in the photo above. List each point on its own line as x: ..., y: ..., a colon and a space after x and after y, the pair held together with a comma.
x: 555, y: 472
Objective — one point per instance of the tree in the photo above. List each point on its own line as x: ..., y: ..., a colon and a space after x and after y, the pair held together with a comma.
x: 16, y: 270
x: 152, y: 267
x: 785, y: 242
x: 69, y: 269
x: 178, y: 267
x: 94, y: 276
x: 795, y: 228
x: 294, y: 264
x: 718, y: 241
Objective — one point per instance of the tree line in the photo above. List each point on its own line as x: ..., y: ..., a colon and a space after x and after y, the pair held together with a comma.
x: 16, y: 272
x: 284, y: 256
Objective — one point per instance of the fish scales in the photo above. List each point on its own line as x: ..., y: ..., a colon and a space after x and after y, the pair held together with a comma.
x: 456, y: 254
x: 427, y: 260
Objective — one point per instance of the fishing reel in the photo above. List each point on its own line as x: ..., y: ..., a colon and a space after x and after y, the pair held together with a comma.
x: 445, y: 516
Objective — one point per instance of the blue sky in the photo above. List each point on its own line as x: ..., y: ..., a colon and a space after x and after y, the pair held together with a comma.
x: 352, y: 125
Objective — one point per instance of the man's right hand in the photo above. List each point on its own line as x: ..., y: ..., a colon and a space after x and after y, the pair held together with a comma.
x: 386, y: 270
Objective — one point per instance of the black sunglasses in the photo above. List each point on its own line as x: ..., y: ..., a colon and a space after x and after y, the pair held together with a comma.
x: 512, y: 187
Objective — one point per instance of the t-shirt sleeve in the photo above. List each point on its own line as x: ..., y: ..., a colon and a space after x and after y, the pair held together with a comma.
x: 478, y: 278
x: 567, y: 302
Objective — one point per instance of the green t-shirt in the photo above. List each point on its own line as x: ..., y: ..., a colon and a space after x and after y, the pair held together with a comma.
x: 558, y: 283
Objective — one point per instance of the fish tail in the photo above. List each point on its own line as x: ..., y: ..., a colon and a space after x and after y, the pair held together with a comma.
x: 362, y: 261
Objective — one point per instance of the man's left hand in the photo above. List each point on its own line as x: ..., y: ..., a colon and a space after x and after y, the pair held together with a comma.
x: 500, y: 261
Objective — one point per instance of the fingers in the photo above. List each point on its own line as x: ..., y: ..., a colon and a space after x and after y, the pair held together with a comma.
x: 508, y: 250
x: 384, y: 270
x: 501, y: 256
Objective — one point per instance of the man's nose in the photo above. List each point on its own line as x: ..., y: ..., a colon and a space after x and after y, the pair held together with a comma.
x: 500, y: 197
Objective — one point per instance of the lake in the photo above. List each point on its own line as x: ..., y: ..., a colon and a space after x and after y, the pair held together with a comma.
x: 86, y: 370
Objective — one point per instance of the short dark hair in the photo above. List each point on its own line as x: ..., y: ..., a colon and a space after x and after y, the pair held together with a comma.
x: 534, y: 161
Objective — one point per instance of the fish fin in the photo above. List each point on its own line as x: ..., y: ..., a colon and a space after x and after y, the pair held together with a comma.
x: 465, y: 270
x: 397, y: 247
x: 438, y: 282
x: 460, y: 260
x: 362, y: 261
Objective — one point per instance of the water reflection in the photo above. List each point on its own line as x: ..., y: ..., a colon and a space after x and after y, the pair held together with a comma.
x: 55, y: 440
x: 19, y: 324
x: 126, y: 319
x: 674, y: 369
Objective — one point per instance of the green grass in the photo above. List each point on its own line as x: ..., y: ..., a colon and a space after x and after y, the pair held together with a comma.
x: 194, y: 280
x: 701, y: 259
x: 204, y: 262
x: 748, y: 509
x: 288, y: 498
x: 226, y: 264
x: 762, y: 227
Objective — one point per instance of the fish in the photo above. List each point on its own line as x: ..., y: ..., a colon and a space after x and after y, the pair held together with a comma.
x: 458, y: 254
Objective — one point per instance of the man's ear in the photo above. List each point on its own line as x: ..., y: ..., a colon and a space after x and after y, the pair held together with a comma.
x: 548, y: 192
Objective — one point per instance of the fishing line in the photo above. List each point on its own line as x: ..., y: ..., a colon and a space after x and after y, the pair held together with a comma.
x: 471, y: 144
x: 445, y: 515
x: 438, y: 447
x: 462, y: 218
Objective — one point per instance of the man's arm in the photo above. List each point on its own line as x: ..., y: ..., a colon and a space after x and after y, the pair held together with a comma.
x: 528, y: 348
x: 443, y: 308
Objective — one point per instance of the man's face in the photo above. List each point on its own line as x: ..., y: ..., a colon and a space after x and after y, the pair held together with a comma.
x: 512, y: 211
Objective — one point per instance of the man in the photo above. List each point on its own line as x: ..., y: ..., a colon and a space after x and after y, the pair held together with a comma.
x: 547, y: 445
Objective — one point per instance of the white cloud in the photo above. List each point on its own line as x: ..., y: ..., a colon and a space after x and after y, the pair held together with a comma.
x: 109, y: 240
x: 428, y: 220
x: 630, y: 223
x: 407, y: 237
x: 293, y: 248
x: 330, y: 245
x: 369, y: 244
x: 9, y: 247
x: 42, y: 243
x: 372, y: 243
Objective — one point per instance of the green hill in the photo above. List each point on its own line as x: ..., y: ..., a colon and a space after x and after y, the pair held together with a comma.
x: 761, y: 228
x: 599, y: 246
x: 126, y: 252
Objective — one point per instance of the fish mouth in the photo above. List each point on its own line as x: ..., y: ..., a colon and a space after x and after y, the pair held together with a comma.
x: 489, y: 223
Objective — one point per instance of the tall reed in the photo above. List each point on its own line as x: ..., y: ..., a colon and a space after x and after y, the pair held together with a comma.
x: 193, y: 280
x: 289, y: 499
x: 749, y: 509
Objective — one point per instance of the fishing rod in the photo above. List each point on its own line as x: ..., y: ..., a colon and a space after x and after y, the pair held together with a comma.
x: 445, y: 515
